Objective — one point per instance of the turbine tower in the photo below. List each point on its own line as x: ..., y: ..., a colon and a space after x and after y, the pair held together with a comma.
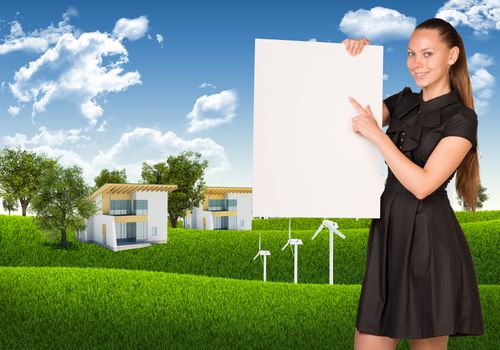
x: 332, y: 226
x: 263, y: 253
x: 295, y: 251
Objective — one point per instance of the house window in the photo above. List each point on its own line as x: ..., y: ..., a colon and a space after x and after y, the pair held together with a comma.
x: 242, y: 223
x: 154, y: 231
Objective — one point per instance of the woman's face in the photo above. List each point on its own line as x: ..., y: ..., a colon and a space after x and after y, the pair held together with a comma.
x: 429, y: 59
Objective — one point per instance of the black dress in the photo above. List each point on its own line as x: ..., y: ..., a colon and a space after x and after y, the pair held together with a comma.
x: 419, y: 280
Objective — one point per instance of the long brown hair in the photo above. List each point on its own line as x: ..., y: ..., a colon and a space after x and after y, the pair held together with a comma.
x: 467, y: 178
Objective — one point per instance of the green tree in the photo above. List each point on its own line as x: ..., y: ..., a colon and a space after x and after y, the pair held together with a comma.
x: 481, y: 198
x: 185, y: 170
x: 10, y: 203
x: 21, y: 172
x: 62, y: 201
x: 112, y: 177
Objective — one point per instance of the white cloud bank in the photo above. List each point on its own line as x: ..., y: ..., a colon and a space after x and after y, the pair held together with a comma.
x: 377, y: 24
x: 482, y: 80
x: 80, y: 68
x: 481, y: 16
x: 132, y: 149
x: 224, y: 102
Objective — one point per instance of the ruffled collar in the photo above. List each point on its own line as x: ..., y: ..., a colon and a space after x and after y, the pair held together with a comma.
x: 429, y: 114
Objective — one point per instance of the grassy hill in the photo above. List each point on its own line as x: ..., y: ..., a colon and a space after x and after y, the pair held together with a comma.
x: 202, y: 290
x: 229, y: 253
x: 83, y: 308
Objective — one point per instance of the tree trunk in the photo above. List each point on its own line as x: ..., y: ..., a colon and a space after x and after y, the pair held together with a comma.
x: 173, y: 220
x: 24, y: 205
x: 64, y: 242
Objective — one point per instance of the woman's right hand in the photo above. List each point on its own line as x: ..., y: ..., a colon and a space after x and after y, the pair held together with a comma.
x: 355, y: 46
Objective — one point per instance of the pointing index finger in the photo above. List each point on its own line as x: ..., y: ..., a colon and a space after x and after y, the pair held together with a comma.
x: 356, y: 104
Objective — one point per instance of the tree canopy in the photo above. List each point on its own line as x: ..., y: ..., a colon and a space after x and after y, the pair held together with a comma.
x: 114, y: 177
x: 185, y: 170
x: 62, y: 202
x: 21, y: 172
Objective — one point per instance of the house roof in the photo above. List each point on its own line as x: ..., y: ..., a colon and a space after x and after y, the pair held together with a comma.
x: 223, y: 190
x: 128, y: 188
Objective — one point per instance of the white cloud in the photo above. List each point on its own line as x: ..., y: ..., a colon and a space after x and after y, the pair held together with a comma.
x: 37, y: 41
x: 377, y: 24
x: 14, y: 110
x: 312, y: 39
x: 74, y: 69
x: 159, y: 38
x: 482, y: 80
x: 45, y: 137
x: 132, y: 29
x: 132, y: 149
x: 482, y: 16
x: 204, y: 85
x: 102, y: 127
x: 479, y: 60
x: 385, y: 77
x: 224, y: 102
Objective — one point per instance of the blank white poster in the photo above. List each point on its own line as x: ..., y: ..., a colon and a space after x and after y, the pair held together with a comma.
x: 307, y: 160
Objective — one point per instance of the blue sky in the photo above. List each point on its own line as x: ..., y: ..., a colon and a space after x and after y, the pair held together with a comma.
x: 113, y: 84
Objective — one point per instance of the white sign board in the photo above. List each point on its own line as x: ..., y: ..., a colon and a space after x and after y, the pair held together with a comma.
x: 307, y: 160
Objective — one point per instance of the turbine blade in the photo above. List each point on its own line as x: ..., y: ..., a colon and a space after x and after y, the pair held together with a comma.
x: 339, y: 233
x: 287, y: 243
x: 318, y: 231
x: 256, y: 256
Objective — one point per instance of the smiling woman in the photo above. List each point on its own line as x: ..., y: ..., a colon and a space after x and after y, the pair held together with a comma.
x: 419, y: 282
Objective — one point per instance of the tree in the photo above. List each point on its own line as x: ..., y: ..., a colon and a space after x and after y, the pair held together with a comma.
x: 9, y: 203
x: 21, y: 172
x: 62, y: 201
x: 113, y: 177
x: 481, y: 198
x: 184, y: 170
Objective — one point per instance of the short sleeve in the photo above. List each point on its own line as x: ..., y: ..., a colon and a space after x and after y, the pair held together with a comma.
x: 392, y: 101
x: 463, y: 124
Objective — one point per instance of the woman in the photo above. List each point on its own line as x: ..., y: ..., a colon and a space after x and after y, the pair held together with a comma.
x: 419, y: 283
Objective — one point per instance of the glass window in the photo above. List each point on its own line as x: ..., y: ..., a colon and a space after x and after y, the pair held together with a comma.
x: 154, y: 231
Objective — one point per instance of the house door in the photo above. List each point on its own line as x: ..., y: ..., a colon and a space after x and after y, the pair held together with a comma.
x: 104, y: 233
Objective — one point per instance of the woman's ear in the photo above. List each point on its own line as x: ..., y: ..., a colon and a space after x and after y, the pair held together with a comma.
x: 453, y: 55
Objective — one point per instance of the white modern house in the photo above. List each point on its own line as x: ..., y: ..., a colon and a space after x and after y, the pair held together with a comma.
x: 129, y: 216
x: 224, y: 208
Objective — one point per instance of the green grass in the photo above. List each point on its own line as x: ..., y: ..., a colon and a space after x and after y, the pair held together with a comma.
x: 203, y: 291
x: 82, y: 308
x: 229, y: 253
x: 313, y: 223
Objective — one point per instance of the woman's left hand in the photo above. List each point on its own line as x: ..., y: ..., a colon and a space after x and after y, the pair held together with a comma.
x: 365, y: 123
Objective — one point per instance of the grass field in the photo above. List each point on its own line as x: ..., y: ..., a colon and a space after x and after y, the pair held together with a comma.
x: 202, y: 291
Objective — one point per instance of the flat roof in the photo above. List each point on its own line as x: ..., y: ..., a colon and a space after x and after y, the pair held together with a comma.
x: 129, y: 188
x: 222, y: 190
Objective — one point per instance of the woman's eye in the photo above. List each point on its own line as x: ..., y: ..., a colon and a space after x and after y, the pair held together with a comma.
x: 429, y: 53
x: 410, y: 54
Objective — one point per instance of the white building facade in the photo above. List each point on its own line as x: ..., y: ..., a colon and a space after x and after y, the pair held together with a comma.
x: 224, y: 208
x: 129, y: 216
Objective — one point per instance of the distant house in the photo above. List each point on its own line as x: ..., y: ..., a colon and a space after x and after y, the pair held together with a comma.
x: 129, y: 216
x: 224, y: 208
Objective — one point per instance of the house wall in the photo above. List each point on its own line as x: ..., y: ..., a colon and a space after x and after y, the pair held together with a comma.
x: 157, y: 214
x: 244, y: 209
x: 109, y: 221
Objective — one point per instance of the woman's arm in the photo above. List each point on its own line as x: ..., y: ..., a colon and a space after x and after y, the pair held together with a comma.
x: 443, y: 161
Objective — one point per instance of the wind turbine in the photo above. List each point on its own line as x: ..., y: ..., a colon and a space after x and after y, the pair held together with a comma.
x: 332, y: 226
x: 263, y: 253
x: 295, y: 252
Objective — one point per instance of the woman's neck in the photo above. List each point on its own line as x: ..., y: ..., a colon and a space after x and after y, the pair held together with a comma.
x: 437, y: 89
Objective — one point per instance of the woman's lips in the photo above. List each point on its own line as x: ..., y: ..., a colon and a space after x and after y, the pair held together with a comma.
x: 420, y: 75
